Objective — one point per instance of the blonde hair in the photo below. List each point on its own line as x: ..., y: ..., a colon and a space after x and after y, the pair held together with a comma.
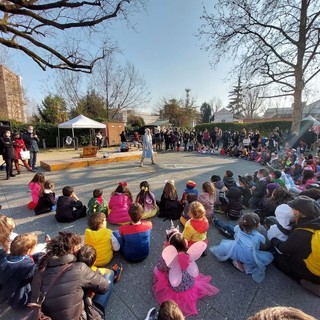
x: 209, y: 188
x: 22, y: 243
x: 281, y: 313
x: 5, y: 230
x: 197, y: 210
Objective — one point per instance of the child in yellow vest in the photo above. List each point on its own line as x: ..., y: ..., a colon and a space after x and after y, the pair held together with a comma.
x: 101, y: 238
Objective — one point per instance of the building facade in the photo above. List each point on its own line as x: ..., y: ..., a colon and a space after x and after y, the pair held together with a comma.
x: 11, y: 96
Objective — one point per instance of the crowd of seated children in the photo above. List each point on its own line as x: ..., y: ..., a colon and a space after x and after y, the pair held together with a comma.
x: 119, y: 204
x: 69, y: 207
x: 134, y: 238
x: 148, y: 201
x: 97, y: 203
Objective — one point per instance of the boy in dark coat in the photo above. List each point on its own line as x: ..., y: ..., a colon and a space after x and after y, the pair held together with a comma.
x: 17, y: 270
x: 69, y: 207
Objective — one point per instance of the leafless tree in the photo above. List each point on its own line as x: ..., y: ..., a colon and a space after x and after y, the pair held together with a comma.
x: 216, y: 104
x: 122, y: 87
x: 276, y: 43
x: 252, y: 103
x: 63, y: 34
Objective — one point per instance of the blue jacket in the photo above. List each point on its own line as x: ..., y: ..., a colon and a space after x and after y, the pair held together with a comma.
x: 16, y: 274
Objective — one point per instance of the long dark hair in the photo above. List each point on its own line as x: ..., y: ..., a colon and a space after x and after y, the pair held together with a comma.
x: 122, y: 188
x: 144, y: 193
x: 60, y: 246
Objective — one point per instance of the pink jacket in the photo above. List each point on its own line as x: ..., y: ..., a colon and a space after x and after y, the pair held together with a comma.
x: 35, y: 189
x: 119, y: 205
x: 208, y: 203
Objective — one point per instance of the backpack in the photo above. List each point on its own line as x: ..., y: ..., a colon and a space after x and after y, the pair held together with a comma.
x: 313, y: 260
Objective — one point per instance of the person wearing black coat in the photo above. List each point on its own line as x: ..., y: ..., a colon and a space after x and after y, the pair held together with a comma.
x: 31, y: 141
x: 295, y: 251
x: 65, y: 300
x: 231, y: 204
x: 8, y: 152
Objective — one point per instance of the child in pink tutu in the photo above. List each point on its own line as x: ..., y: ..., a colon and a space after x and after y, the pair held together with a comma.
x: 181, y: 282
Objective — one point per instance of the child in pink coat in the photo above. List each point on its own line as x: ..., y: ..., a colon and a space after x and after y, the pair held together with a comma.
x: 35, y: 185
x: 119, y: 204
x: 208, y: 198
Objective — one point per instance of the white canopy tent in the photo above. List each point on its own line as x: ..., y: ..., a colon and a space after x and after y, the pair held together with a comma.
x: 80, y: 122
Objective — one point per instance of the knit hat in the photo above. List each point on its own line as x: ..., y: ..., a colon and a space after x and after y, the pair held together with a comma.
x: 306, y: 206
x: 190, y: 184
x: 271, y: 187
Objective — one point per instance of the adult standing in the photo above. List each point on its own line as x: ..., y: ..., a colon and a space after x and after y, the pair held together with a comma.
x: 8, y: 152
x: 299, y: 258
x: 31, y: 141
x: 99, y: 138
x: 147, y: 151
x: 65, y: 300
x: 123, y: 139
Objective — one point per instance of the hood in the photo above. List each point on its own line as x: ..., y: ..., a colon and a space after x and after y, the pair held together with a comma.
x: 284, y: 215
x: 200, y: 226
x: 312, y: 223
x: 219, y: 184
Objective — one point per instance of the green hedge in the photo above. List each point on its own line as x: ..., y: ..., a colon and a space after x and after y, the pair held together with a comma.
x: 264, y: 127
x: 49, y: 132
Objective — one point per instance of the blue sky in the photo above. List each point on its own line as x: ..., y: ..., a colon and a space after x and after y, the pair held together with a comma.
x: 164, y: 49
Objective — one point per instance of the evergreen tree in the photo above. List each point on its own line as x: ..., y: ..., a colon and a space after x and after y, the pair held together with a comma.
x: 236, y: 100
x: 53, y: 110
x: 206, y: 112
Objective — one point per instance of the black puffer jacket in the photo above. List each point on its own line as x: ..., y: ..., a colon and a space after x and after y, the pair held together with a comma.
x: 296, y: 249
x: 65, y: 299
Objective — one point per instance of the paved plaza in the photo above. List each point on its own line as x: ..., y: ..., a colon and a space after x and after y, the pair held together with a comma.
x: 132, y: 297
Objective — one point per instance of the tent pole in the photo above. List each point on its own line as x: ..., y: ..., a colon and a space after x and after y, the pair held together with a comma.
x: 58, y: 144
x: 74, y: 144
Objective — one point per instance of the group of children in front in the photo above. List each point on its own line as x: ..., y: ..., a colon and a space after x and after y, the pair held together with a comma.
x: 176, y: 275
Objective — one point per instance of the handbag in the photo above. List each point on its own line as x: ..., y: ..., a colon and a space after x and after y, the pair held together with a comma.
x: 25, y: 154
x: 35, y: 312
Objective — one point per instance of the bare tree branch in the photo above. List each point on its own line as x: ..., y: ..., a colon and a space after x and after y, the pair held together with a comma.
x: 45, y: 29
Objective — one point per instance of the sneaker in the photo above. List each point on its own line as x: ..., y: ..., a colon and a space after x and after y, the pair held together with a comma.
x: 152, y: 314
x: 117, y: 269
x: 310, y: 286
x: 238, y: 265
x: 225, y: 232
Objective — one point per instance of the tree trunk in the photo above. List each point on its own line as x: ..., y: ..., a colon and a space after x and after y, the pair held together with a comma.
x: 298, y: 73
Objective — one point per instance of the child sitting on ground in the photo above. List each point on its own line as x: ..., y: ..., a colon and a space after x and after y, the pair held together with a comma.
x: 170, y: 207
x: 184, y: 286
x: 97, y: 203
x: 35, y: 185
x: 231, y: 204
x: 148, y: 201
x: 207, y: 198
x: 220, y: 189
x: 185, y: 213
x: 87, y: 254
x: 119, y: 204
x: 244, y: 182
x: 244, y: 250
x: 17, y: 269
x: 228, y: 179
x: 134, y: 238
x: 47, y: 199
x: 101, y: 238
x: 69, y: 207
x: 197, y: 226
x: 190, y: 188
